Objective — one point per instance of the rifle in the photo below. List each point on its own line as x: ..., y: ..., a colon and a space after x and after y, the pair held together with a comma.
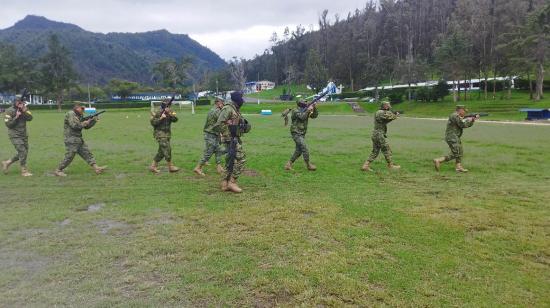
x: 232, y: 150
x: 397, y: 112
x: 244, y: 127
x: 86, y: 118
x: 317, y: 99
x: 164, y: 106
x: 474, y: 115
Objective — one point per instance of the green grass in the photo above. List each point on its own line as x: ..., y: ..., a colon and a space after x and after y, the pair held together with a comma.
x: 335, y: 237
x: 278, y: 90
x: 499, y: 109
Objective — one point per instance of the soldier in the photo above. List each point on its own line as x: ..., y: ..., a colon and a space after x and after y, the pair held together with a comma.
x: 455, y: 126
x: 212, y: 139
x: 16, y: 119
x: 162, y: 121
x: 298, y: 129
x: 230, y: 122
x: 379, y: 142
x: 74, y: 144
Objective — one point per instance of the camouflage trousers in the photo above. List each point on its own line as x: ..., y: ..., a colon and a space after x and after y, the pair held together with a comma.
x: 379, y: 143
x: 456, y: 150
x: 301, y: 148
x: 73, y: 148
x: 164, y: 151
x: 22, y: 147
x: 240, y: 160
x: 212, y: 146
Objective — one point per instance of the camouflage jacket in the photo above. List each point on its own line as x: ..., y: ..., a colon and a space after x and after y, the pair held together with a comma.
x: 211, y: 120
x: 17, y: 128
x: 381, y: 120
x: 163, y: 127
x: 456, y: 125
x: 229, y: 115
x: 300, y: 118
x: 73, y: 126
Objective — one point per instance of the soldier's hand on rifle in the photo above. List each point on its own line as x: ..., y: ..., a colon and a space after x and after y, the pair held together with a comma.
x: 310, y: 108
x: 17, y: 113
x: 163, y: 116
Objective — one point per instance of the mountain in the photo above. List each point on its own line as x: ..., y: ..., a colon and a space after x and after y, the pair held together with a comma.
x: 100, y: 57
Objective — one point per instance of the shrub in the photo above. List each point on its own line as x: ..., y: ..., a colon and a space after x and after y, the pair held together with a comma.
x: 203, y: 101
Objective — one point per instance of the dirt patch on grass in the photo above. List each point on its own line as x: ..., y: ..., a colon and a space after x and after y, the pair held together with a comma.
x: 19, y: 260
x: 107, y: 226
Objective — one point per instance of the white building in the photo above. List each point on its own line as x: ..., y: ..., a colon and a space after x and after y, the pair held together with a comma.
x: 258, y: 86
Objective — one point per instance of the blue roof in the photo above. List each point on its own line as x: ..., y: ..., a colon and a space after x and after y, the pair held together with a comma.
x: 533, y: 110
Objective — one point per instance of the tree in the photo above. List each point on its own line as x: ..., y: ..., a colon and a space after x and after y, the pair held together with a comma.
x: 315, y: 74
x: 452, y: 58
x: 58, y: 74
x: 122, y: 88
x: 538, y: 36
x: 15, y: 72
x: 237, y: 68
x: 172, y: 73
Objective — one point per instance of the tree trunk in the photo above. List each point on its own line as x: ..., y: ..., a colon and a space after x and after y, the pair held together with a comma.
x: 540, y: 81
x: 495, y: 84
x: 455, y: 99
x: 530, y: 85
x: 59, y: 98
x: 509, y: 88
x: 486, y: 86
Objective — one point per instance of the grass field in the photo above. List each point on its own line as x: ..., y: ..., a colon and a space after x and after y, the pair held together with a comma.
x: 334, y: 237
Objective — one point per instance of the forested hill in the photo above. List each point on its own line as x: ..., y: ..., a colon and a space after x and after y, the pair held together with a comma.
x: 412, y: 40
x: 100, y: 57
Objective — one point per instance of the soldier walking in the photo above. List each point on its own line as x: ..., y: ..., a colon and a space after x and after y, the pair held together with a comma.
x: 162, y: 123
x: 212, y: 139
x: 74, y: 143
x: 298, y: 129
x: 379, y: 137
x: 231, y: 126
x: 455, y: 125
x: 16, y: 119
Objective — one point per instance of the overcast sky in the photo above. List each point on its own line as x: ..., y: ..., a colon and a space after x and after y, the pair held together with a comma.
x: 230, y: 28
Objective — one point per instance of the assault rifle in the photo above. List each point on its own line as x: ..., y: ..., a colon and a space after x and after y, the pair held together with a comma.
x: 244, y: 127
x: 474, y: 115
x: 316, y: 99
x: 397, y: 112
x: 86, y: 118
x: 163, y: 106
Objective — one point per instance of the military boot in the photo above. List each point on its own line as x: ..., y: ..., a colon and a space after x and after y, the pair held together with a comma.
x: 154, y: 168
x: 220, y: 169
x: 198, y: 170
x: 6, y: 165
x: 310, y: 166
x: 366, y: 166
x: 391, y: 166
x: 25, y: 172
x: 288, y: 165
x: 172, y: 168
x: 98, y: 170
x: 437, y: 163
x: 459, y: 168
x: 224, y: 185
x: 233, y: 187
x: 59, y: 173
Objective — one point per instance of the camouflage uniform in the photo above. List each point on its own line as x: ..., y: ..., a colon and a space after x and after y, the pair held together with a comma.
x: 162, y: 133
x: 74, y: 144
x: 211, y: 138
x: 379, y: 141
x: 455, y: 127
x: 17, y: 132
x: 298, y: 129
x: 230, y: 114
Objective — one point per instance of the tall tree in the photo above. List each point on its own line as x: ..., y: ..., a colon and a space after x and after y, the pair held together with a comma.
x: 315, y: 74
x: 58, y: 74
x: 238, y: 74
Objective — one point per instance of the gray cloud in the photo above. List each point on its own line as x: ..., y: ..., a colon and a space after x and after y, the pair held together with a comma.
x: 231, y: 28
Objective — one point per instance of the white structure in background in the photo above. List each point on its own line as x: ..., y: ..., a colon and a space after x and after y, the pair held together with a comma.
x: 258, y: 86
x: 469, y: 85
x: 330, y: 89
